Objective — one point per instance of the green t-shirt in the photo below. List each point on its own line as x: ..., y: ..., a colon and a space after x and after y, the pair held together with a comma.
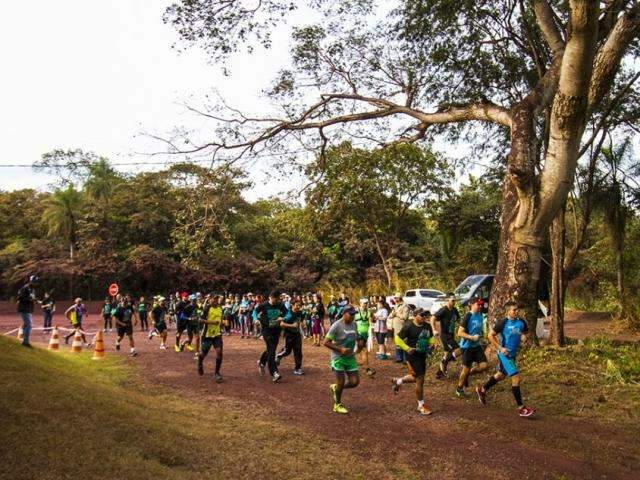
x: 362, y: 319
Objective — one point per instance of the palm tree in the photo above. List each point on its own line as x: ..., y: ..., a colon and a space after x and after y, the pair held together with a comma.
x: 100, y: 180
x: 61, y: 215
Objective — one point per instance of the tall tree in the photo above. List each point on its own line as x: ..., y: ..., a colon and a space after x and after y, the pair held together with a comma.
x: 520, y: 67
x: 61, y: 214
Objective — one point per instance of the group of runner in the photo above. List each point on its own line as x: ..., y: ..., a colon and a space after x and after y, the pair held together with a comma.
x: 201, y: 321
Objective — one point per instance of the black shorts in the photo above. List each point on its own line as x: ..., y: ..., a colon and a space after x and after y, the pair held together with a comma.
x: 208, y: 342
x: 381, y: 337
x: 417, y: 364
x: 449, y: 343
x: 473, y: 354
x: 125, y: 330
x: 161, y: 327
x: 182, y: 325
x: 193, y: 328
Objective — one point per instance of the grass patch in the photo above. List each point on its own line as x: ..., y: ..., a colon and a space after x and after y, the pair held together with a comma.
x: 596, y: 379
x: 65, y: 416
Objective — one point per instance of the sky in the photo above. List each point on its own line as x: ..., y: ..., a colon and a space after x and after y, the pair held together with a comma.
x: 97, y: 75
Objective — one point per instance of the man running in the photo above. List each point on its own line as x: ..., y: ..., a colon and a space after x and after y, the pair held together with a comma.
x: 292, y: 337
x: 76, y: 313
x: 211, y: 335
x: 470, y: 332
x: 125, y: 320
x: 270, y: 314
x: 416, y: 340
x: 512, y: 331
x: 448, y: 317
x: 363, y: 324
x: 158, y: 317
x: 182, y: 321
x: 341, y: 340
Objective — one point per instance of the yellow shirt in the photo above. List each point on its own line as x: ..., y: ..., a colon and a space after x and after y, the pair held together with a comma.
x: 214, y: 320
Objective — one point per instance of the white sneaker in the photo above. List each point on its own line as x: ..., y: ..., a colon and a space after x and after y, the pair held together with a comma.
x: 163, y: 347
x: 276, y: 377
x: 298, y: 372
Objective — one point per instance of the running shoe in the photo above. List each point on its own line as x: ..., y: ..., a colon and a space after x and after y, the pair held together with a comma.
x: 276, y: 377
x: 152, y: 334
x: 526, y: 412
x: 163, y: 347
x: 370, y: 372
x: 333, y: 387
x: 177, y: 348
x: 298, y: 371
x: 424, y: 410
x: 460, y: 393
x: 396, y: 386
x: 117, y: 346
x: 218, y: 378
x: 260, y: 368
x: 339, y: 408
x: 200, y: 368
x: 482, y: 395
x: 189, y: 347
x: 133, y: 354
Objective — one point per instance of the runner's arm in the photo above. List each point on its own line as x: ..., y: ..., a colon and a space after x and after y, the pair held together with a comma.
x: 328, y: 342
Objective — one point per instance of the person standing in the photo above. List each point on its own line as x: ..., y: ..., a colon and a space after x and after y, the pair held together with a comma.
x: 292, y: 337
x: 470, y: 332
x: 25, y: 303
x: 270, y: 314
x: 363, y: 324
x: 341, y: 339
x: 143, y: 314
x: 107, y: 308
x: 396, y: 320
x: 211, y: 335
x: 416, y: 339
x: 448, y: 318
x: 317, y: 319
x: 380, y: 330
x: 513, y: 331
x: 48, y: 306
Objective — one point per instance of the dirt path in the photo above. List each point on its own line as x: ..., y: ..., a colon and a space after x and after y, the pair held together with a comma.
x: 461, y: 437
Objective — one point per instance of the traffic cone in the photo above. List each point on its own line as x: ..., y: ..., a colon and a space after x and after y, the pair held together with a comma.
x: 54, y: 341
x: 98, y: 351
x: 76, y: 346
x: 20, y: 335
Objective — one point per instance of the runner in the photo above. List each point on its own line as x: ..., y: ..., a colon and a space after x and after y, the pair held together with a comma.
x: 158, y: 314
x: 470, y: 332
x: 380, y: 330
x: 143, y: 315
x: 341, y: 340
x: 181, y: 321
x: 76, y: 313
x: 125, y: 319
x: 448, y: 317
x: 363, y: 324
x: 211, y: 335
x: 417, y: 341
x: 270, y: 314
x: 190, y: 312
x: 292, y: 337
x: 512, y: 330
x: 48, y: 306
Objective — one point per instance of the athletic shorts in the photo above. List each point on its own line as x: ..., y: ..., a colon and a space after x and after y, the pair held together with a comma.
x: 210, y: 342
x: 381, y: 337
x: 192, y: 328
x: 473, y: 354
x: 417, y: 364
x: 449, y: 343
x: 504, y: 370
x: 344, y: 364
x: 77, y: 325
x: 363, y: 336
x: 126, y: 330
x: 161, y: 327
x: 182, y: 325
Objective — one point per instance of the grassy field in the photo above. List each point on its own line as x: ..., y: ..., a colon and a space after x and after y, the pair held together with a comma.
x: 66, y: 416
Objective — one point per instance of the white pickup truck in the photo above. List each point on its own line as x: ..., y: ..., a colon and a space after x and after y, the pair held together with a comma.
x: 421, y: 298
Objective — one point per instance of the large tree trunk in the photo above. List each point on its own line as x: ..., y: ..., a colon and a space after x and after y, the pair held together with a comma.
x: 557, y: 237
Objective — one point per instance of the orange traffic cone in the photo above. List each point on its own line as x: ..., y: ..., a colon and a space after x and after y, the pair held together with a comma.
x: 54, y: 341
x: 76, y: 346
x: 98, y: 351
x: 20, y: 335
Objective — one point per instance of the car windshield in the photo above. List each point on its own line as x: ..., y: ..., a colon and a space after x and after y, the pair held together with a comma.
x: 466, y: 286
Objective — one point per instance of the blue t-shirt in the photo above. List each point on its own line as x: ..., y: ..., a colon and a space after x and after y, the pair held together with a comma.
x: 472, y: 324
x: 510, y: 331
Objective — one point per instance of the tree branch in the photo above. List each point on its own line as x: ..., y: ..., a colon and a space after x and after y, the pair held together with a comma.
x: 546, y: 23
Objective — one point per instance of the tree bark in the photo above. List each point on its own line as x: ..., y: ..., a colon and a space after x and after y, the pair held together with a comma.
x: 557, y: 236
x: 387, y: 269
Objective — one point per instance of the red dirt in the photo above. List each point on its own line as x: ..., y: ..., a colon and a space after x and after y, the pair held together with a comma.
x: 460, y: 440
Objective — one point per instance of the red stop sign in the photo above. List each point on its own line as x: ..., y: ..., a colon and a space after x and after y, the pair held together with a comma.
x: 113, y: 289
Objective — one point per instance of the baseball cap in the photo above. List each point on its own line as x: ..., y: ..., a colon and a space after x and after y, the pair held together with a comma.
x: 420, y: 311
x: 350, y: 310
x: 397, y: 295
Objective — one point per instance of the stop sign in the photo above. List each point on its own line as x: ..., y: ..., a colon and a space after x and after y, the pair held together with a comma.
x: 113, y: 289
